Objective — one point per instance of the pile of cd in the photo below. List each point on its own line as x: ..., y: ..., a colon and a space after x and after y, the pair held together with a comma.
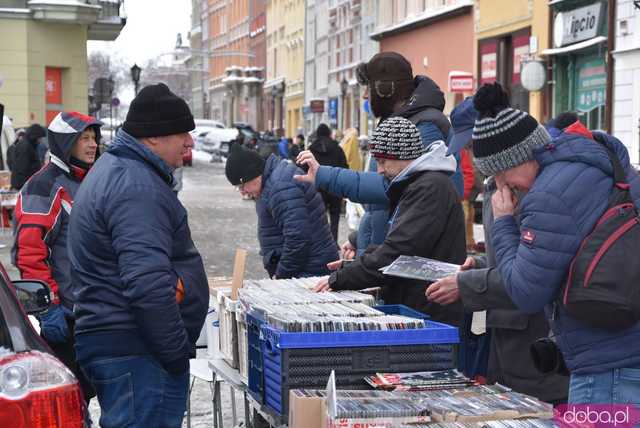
x: 373, y: 408
x: 292, y: 306
x: 452, y: 407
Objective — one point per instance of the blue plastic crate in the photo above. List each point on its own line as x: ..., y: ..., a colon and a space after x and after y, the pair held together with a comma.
x: 305, y: 360
x: 254, y: 354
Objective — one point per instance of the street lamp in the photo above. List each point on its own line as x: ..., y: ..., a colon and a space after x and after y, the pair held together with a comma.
x: 344, y: 86
x: 135, y: 76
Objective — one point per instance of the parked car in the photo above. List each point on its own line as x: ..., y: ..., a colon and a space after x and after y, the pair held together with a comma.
x: 218, y: 141
x: 203, y: 126
x: 36, y: 389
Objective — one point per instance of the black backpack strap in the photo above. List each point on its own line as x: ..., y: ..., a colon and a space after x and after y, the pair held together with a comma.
x: 619, y: 174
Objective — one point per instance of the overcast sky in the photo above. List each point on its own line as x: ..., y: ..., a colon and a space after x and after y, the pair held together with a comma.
x: 151, y: 30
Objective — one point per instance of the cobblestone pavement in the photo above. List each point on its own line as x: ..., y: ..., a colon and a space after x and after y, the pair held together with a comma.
x: 220, y: 222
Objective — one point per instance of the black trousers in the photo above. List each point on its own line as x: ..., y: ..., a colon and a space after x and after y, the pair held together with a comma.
x: 334, y: 209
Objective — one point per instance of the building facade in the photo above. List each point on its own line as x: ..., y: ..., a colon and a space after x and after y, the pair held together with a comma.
x: 274, y: 85
x: 349, y: 44
x: 316, y: 75
x: 197, y: 61
x: 580, y: 59
x: 43, y: 54
x: 228, y: 50
x: 338, y: 40
x: 424, y: 32
x: 258, y: 47
x: 626, y: 107
x: 294, y: 66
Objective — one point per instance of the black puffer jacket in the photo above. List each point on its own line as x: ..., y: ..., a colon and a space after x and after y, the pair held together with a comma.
x: 328, y: 153
x: 427, y: 221
x: 26, y: 161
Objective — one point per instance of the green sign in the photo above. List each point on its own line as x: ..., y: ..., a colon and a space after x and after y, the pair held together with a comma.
x: 591, y: 85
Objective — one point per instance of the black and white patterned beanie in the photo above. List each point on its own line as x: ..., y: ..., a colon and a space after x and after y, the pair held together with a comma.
x: 396, y: 138
x: 503, y: 137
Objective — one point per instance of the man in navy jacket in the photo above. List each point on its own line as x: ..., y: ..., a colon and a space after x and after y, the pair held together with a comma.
x: 139, y: 284
x: 565, y: 185
x: 295, y: 239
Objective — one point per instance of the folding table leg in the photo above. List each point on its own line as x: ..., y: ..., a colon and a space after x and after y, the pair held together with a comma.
x: 193, y: 380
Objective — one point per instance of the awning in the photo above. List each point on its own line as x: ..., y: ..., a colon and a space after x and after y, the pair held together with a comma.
x: 574, y: 47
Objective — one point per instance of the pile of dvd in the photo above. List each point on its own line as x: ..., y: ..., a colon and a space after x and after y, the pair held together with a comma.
x: 292, y: 306
x: 419, y: 381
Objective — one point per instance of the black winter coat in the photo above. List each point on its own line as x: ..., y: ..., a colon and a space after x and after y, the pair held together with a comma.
x: 329, y: 153
x: 427, y: 221
x: 25, y: 159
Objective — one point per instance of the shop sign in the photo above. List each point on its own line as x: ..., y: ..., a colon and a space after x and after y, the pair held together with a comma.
x: 333, y: 110
x: 520, y: 53
x: 577, y: 25
x: 488, y: 62
x: 592, y: 82
x: 317, y: 106
x: 460, y: 82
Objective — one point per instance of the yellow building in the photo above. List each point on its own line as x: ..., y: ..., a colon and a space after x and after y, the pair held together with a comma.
x: 43, y: 55
x: 508, y: 32
x: 285, y: 64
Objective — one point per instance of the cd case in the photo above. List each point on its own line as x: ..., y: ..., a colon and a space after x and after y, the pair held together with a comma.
x: 421, y: 268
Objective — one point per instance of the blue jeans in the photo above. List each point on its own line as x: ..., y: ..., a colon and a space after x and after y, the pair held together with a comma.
x: 617, y: 386
x: 136, y: 391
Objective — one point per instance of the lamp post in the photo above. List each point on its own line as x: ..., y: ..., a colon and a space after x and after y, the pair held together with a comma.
x: 135, y: 76
x: 344, y: 86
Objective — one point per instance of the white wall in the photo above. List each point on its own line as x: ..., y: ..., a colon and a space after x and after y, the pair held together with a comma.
x: 626, y: 106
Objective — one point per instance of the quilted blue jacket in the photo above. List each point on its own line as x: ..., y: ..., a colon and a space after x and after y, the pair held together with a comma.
x: 295, y: 239
x: 129, y: 242
x: 569, y: 195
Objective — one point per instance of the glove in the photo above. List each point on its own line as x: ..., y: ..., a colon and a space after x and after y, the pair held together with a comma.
x: 53, y: 324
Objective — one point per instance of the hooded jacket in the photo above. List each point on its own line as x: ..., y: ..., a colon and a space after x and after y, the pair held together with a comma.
x: 295, y: 240
x: 425, y: 110
x: 44, y: 206
x: 351, y: 148
x: 569, y: 195
x: 426, y: 221
x: 129, y: 245
x: 26, y: 161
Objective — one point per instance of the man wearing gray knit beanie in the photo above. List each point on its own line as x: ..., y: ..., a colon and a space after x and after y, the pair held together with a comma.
x: 426, y: 219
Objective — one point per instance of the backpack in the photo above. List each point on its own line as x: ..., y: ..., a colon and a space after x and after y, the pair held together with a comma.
x: 603, y: 286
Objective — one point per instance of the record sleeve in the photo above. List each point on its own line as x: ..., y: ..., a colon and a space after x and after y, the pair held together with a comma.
x: 421, y: 268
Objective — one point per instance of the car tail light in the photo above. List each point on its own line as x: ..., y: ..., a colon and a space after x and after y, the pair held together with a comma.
x: 38, y: 391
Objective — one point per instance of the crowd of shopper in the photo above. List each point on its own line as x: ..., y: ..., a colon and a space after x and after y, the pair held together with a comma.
x: 129, y: 288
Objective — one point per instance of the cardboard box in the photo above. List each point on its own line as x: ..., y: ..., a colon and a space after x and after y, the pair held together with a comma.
x: 306, y: 412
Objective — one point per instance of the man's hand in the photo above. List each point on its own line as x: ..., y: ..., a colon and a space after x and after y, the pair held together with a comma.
x: 469, y: 263
x: 307, y: 158
x: 348, y: 251
x: 444, y: 291
x: 53, y: 323
x: 503, y: 202
x: 322, y: 286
